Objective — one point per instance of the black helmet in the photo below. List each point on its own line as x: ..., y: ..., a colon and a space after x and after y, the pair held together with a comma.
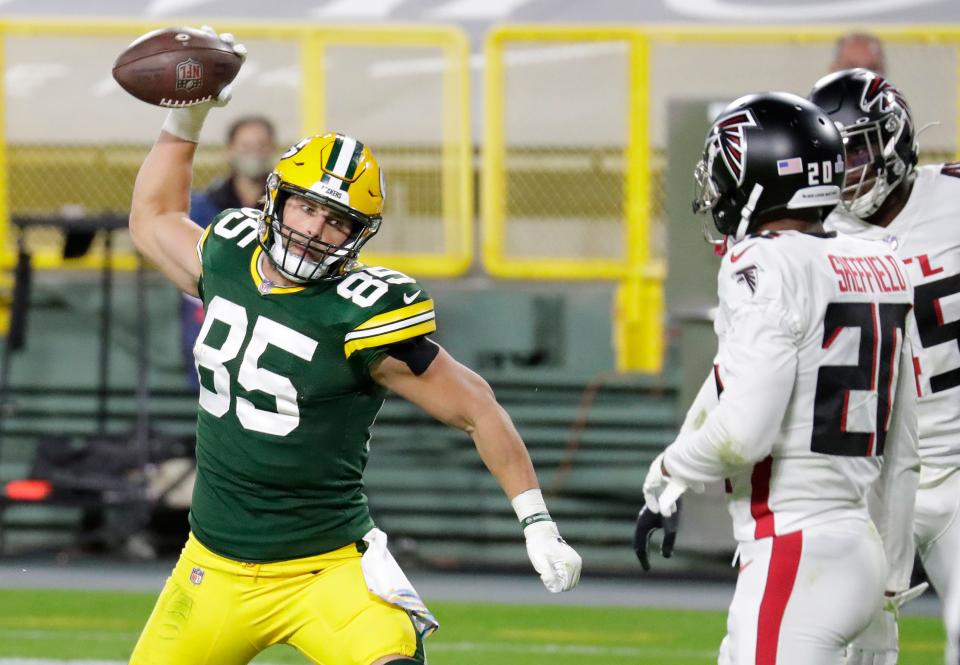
x: 768, y: 153
x: 878, y: 133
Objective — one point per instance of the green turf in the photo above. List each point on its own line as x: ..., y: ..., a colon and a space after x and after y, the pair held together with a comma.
x: 104, y: 625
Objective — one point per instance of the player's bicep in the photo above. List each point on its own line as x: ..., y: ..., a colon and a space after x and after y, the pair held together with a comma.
x: 171, y: 242
x: 450, y: 392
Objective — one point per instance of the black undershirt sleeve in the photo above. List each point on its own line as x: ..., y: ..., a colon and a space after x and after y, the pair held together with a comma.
x: 417, y: 353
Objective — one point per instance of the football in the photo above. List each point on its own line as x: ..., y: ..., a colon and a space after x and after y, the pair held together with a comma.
x: 176, y: 67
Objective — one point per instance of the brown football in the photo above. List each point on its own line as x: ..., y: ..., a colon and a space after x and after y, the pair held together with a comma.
x: 176, y: 67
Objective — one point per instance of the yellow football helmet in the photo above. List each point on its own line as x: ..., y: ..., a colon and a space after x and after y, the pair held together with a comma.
x: 342, y: 175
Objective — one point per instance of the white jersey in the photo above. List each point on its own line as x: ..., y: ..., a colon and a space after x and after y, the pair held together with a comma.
x: 815, y: 384
x: 926, y: 236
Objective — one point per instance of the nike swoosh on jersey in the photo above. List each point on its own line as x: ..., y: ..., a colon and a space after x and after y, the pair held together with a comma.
x: 734, y: 257
x: 410, y: 297
x: 744, y: 566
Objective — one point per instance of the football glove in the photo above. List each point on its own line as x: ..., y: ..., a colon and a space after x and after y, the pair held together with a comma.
x: 186, y: 123
x: 557, y: 563
x: 660, y: 492
x: 879, y: 643
x: 648, y: 522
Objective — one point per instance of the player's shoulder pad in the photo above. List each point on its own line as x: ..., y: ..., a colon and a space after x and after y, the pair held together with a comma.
x: 753, y: 269
x: 391, y: 307
x: 234, y: 226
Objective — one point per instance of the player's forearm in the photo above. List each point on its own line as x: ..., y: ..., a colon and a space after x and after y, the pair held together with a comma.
x: 502, y: 450
x: 741, y: 429
x: 162, y: 186
x: 705, y: 455
x: 704, y: 402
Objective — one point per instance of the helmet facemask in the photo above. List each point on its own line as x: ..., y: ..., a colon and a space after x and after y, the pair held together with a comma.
x: 706, y: 194
x: 304, y: 258
x: 874, y: 168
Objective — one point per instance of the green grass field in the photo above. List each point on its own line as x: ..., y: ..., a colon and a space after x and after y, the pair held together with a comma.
x: 104, y: 626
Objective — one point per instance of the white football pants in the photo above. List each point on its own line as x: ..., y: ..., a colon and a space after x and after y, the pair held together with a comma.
x: 951, y: 612
x: 801, y: 597
x: 936, y: 526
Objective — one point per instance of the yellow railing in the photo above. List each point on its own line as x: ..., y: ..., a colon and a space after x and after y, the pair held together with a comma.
x: 630, y: 257
x: 639, y: 313
x: 454, y: 143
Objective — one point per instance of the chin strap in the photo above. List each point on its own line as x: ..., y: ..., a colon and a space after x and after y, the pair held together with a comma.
x: 747, y: 212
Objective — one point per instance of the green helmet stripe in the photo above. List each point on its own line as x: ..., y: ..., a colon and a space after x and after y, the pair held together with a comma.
x: 354, y: 161
x: 334, y: 154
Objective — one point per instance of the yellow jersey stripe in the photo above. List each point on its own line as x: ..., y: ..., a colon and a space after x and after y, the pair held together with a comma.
x: 396, y: 315
x: 389, y: 327
x: 258, y: 281
x: 203, y: 239
x: 424, y: 328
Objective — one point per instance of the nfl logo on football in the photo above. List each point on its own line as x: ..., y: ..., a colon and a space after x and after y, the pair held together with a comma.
x: 196, y: 575
x: 189, y: 74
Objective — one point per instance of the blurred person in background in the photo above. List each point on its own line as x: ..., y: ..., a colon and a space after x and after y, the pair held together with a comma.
x: 811, y: 404
x: 859, y: 49
x: 251, y: 153
x: 914, y: 210
x: 300, y: 344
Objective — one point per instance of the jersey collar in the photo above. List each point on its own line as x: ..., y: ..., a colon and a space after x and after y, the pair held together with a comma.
x: 263, y: 285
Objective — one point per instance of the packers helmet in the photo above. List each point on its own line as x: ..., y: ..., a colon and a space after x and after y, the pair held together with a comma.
x: 341, y: 174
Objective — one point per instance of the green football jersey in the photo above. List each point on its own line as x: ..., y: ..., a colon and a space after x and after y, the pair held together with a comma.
x: 286, y: 398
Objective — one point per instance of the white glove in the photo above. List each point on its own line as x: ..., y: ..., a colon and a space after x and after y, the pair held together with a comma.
x: 186, y: 123
x: 557, y: 563
x: 660, y: 492
x: 879, y: 643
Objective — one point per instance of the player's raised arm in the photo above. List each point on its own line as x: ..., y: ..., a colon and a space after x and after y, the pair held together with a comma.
x: 457, y: 396
x: 159, y: 212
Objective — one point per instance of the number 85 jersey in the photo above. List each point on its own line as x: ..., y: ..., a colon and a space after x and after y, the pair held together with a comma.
x: 814, y: 380
x: 286, y: 398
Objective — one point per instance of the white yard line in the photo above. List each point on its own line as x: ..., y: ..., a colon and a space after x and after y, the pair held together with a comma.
x: 585, y: 651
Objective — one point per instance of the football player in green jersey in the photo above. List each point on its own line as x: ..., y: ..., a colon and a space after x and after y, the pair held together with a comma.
x: 299, y: 344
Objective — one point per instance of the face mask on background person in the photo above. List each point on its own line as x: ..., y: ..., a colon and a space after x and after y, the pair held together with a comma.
x: 253, y: 166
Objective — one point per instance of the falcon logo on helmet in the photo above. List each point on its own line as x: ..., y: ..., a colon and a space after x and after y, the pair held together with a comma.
x: 732, y: 141
x: 873, y: 93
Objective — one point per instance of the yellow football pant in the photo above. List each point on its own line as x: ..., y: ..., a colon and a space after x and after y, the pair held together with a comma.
x: 217, y: 611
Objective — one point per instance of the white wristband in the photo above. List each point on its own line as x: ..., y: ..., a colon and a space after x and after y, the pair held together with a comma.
x: 186, y: 123
x: 530, y: 508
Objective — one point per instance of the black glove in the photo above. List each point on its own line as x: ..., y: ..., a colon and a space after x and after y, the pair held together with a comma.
x: 647, y: 522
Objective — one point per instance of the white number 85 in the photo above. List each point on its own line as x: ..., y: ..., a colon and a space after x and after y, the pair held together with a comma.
x: 250, y: 377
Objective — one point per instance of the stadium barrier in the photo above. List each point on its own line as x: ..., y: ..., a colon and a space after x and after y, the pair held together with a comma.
x: 72, y: 140
x: 575, y: 130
